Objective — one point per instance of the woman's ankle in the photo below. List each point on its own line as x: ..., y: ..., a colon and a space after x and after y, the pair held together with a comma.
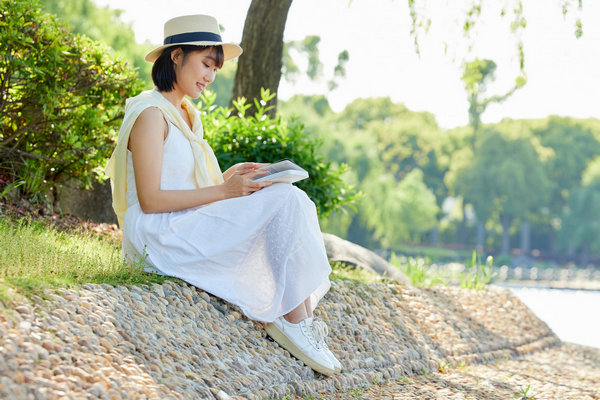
x: 293, y: 319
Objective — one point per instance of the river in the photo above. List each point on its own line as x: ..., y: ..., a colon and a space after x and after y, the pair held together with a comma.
x: 574, y: 315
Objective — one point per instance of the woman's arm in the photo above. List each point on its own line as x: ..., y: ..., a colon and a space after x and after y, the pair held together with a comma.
x: 146, y: 142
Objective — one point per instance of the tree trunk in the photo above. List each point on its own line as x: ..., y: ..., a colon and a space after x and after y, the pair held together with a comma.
x: 480, y: 245
x: 525, y: 237
x: 462, y: 228
x: 260, y: 64
x: 434, y: 236
x: 506, y: 221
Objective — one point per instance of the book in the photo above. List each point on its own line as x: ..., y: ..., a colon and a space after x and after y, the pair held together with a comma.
x: 285, y: 171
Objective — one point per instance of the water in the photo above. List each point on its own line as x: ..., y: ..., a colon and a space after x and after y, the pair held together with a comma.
x: 574, y: 315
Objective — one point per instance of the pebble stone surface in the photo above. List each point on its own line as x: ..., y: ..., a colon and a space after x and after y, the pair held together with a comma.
x: 173, y: 341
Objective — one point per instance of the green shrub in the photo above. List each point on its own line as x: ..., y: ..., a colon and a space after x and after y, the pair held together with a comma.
x: 236, y: 137
x: 62, y: 99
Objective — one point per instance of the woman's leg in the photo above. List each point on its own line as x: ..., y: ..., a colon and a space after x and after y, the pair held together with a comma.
x: 308, y: 307
x: 299, y: 313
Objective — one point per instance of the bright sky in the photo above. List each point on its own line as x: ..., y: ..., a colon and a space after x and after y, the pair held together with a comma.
x: 563, y: 72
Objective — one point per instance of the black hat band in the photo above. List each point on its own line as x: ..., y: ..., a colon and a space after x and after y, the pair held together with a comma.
x: 193, y: 37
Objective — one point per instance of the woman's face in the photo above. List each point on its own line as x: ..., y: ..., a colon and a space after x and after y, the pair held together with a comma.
x: 195, y: 71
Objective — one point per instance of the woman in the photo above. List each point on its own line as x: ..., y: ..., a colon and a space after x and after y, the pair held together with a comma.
x: 256, y: 245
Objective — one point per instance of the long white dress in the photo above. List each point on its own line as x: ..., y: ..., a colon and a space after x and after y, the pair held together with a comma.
x: 263, y: 252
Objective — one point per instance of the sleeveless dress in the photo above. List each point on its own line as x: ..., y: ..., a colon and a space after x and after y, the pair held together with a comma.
x: 263, y: 252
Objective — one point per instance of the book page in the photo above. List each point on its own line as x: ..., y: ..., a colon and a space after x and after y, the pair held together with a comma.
x: 279, y: 166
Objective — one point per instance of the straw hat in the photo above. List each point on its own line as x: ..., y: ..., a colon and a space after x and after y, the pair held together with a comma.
x: 195, y: 30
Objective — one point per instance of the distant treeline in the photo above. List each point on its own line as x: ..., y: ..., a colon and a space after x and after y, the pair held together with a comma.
x: 526, y: 186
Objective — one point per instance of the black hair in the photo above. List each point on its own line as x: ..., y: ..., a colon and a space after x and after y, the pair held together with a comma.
x: 163, y: 71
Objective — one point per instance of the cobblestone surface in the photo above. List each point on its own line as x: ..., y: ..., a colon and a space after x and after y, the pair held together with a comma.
x: 560, y: 373
x: 174, y: 341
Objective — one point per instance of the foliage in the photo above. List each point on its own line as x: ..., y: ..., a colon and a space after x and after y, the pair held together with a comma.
x: 522, y: 169
x: 314, y: 70
x: 506, y: 176
x: 237, y: 137
x: 62, y: 99
x: 348, y: 272
x: 476, y: 77
x: 476, y: 274
x: 581, y: 225
x: 524, y: 395
x: 416, y: 269
x: 103, y: 24
x: 470, y: 16
x: 34, y: 256
x: 398, y: 211
x: 574, y: 145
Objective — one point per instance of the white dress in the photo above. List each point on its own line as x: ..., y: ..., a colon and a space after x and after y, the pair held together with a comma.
x: 263, y: 252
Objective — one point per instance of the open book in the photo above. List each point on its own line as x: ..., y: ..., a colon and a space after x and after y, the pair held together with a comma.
x: 282, y: 171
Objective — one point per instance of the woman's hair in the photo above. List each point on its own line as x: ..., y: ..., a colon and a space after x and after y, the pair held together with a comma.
x: 163, y: 71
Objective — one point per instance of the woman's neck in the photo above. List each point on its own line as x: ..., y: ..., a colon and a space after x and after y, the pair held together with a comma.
x: 174, y: 97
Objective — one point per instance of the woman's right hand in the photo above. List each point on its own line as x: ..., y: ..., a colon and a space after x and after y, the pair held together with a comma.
x: 240, y: 183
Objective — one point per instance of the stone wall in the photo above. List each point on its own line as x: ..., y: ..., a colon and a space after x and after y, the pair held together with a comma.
x: 174, y: 341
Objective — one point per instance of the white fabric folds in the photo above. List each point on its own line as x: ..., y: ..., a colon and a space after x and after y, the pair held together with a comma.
x: 263, y: 252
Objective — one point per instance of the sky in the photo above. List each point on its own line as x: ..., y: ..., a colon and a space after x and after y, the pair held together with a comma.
x: 563, y: 72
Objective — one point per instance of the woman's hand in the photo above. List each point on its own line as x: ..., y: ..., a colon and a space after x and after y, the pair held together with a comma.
x: 239, y: 180
x: 245, y: 166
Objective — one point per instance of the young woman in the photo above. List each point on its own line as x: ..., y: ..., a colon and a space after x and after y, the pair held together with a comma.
x: 256, y: 245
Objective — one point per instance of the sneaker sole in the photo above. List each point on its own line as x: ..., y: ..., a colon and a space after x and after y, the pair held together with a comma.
x: 280, y: 337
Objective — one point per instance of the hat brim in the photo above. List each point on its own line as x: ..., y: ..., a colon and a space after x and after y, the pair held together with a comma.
x: 230, y: 50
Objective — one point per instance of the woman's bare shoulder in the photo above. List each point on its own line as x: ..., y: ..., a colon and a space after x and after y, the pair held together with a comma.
x: 151, y: 116
x: 150, y: 123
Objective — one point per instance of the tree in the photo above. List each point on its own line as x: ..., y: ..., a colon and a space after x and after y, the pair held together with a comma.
x: 62, y: 99
x: 476, y: 77
x: 505, y: 179
x: 103, y: 24
x: 398, y: 211
x: 574, y: 145
x: 581, y: 227
x: 261, y: 65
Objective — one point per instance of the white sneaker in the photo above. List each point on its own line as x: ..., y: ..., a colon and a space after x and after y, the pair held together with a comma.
x: 299, y: 340
x: 321, y: 331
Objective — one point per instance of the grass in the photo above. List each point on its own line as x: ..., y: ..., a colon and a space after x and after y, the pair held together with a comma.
x: 349, y: 272
x: 34, y: 257
x: 417, y: 270
x: 524, y: 395
x: 477, y: 275
x: 435, y: 254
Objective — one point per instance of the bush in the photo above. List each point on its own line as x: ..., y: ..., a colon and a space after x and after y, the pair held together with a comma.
x: 62, y: 100
x: 236, y: 137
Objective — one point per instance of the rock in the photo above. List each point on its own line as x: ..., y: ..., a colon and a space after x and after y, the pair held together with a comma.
x: 342, y: 250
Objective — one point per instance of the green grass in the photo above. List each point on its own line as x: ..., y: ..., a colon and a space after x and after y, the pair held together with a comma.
x: 417, y: 270
x: 348, y: 272
x: 34, y: 257
x: 435, y: 254
x: 477, y: 275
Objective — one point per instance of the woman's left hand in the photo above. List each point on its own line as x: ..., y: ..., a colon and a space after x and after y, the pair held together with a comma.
x: 244, y: 167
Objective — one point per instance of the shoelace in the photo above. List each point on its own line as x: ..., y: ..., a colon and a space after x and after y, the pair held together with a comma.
x: 321, y: 331
x: 309, y: 333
